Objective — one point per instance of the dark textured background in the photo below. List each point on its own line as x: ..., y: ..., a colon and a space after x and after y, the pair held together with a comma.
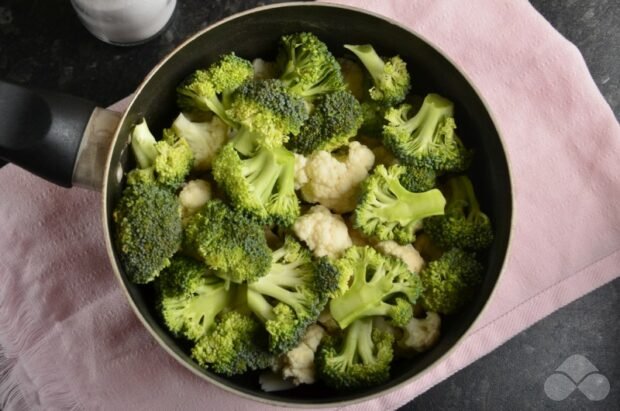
x: 42, y: 44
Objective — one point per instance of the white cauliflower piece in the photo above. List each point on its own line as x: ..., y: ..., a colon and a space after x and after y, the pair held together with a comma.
x: 204, y: 138
x: 264, y: 69
x: 407, y: 253
x: 421, y: 334
x: 324, y: 233
x: 335, y: 183
x: 298, y: 364
x: 301, y: 178
x: 194, y: 195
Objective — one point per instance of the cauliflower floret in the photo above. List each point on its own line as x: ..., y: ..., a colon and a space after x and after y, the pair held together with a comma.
x: 298, y: 364
x: 407, y: 253
x: 194, y: 195
x: 264, y: 69
x: 335, y: 183
x: 301, y: 178
x: 204, y: 138
x: 421, y: 334
x: 323, y: 232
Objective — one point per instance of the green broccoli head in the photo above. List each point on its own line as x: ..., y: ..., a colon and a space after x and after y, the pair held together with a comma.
x: 391, y: 80
x: 182, y: 276
x: 378, y: 285
x: 147, y: 222
x: 387, y: 211
x: 262, y: 185
x: 329, y: 279
x: 427, y: 139
x: 193, y: 314
x: 463, y: 225
x: 209, y: 90
x: 360, y: 359
x: 228, y: 241
x: 289, y: 297
x: 336, y: 117
x: 166, y: 162
x: 418, y: 179
x: 141, y: 176
x: 307, y: 67
x: 234, y: 346
x: 174, y: 160
x: 450, y: 281
x: 267, y: 113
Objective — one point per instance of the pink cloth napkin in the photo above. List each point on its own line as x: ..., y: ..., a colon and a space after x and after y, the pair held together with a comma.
x: 70, y: 339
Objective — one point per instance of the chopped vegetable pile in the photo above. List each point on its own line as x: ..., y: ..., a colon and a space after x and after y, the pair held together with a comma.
x: 309, y: 217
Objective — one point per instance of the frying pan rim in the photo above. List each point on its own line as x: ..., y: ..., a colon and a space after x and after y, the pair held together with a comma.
x: 108, y: 237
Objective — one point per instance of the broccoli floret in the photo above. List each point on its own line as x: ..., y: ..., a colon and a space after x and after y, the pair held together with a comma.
x: 174, y: 159
x: 359, y: 359
x: 234, y: 346
x: 308, y: 68
x: 291, y: 295
x: 191, y: 312
x: 166, y: 162
x: 209, y: 90
x: 228, y: 242
x: 182, y: 276
x: 336, y: 117
x: 388, y: 211
x: 391, y: 81
x: 427, y: 139
x: 267, y: 113
x: 463, y: 224
x: 148, y: 230
x: 418, y: 179
x: 262, y: 185
x: 379, y: 285
x: 450, y: 281
x: 141, y: 176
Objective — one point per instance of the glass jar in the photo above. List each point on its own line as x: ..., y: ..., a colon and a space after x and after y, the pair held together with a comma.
x: 124, y: 22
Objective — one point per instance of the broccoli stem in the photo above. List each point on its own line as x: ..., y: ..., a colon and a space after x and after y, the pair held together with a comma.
x: 216, y: 106
x: 245, y: 141
x: 403, y: 206
x: 434, y: 109
x: 358, y: 343
x: 463, y: 199
x: 281, y: 283
x: 353, y: 304
x: 364, y: 337
x: 262, y: 173
x: 143, y: 145
x: 370, y: 59
x: 260, y: 306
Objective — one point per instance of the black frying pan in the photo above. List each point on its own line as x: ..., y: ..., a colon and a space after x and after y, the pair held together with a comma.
x: 71, y: 142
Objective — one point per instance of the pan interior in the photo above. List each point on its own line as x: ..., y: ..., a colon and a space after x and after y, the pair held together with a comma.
x: 256, y: 34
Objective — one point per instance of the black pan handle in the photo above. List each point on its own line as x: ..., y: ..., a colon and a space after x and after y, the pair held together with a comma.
x: 41, y: 131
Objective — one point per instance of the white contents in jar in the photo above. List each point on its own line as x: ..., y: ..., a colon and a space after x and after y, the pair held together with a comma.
x: 124, y: 21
